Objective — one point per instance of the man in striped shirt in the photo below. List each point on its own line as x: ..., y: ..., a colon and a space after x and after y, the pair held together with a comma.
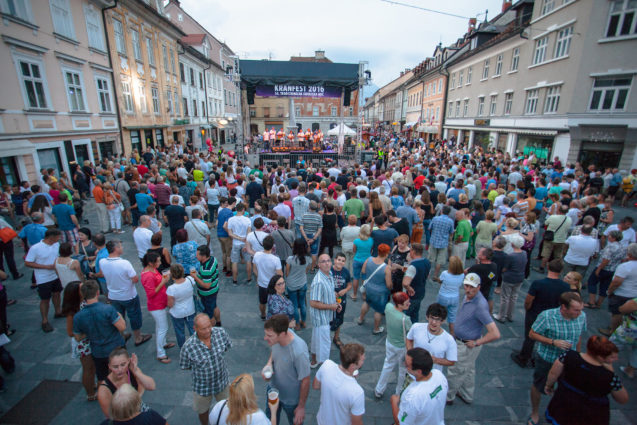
x: 311, y: 227
x: 207, y: 279
x: 322, y: 307
x: 301, y: 206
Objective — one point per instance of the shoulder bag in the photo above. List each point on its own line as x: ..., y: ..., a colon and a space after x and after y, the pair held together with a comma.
x: 549, y: 235
x: 382, y: 266
x: 221, y: 411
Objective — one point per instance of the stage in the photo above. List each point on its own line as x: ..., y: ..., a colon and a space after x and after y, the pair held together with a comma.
x: 324, y: 158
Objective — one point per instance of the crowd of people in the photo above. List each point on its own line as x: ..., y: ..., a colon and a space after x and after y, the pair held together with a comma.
x: 468, y: 224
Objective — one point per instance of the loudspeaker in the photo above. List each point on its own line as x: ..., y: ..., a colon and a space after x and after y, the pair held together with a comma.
x: 346, y: 96
x: 250, y: 91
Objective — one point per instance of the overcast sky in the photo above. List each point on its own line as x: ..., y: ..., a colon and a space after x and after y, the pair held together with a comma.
x: 390, y: 37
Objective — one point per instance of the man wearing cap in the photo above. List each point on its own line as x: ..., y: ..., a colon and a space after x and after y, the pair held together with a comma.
x: 473, y: 315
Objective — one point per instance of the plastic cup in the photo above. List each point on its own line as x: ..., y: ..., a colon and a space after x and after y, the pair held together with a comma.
x: 273, y: 396
x: 267, y: 372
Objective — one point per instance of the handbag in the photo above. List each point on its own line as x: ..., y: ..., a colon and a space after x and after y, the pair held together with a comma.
x: 549, y: 235
x: 199, y: 308
x: 7, y: 234
x: 382, y: 266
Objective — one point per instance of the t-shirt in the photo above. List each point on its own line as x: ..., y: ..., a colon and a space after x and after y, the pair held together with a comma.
x: 442, y: 346
x: 401, y: 227
x: 353, y: 206
x: 43, y: 254
x: 175, y: 215
x: 463, y: 229
x: 63, y: 213
x: 118, y: 274
x: 451, y: 284
x: 348, y: 235
x: 628, y: 234
x: 239, y: 226
x: 547, y: 294
x: 267, y: 266
x: 256, y: 418
x: 514, y: 267
x: 291, y: 364
x: 145, y: 418
x: 398, y: 324
x: 423, y: 402
x: 96, y: 321
x: 224, y: 215
x: 256, y: 239
x: 182, y: 293
x: 142, y: 237
x: 363, y: 249
x: 627, y: 271
x: 472, y: 316
x: 150, y: 281
x: 143, y: 201
x: 386, y: 236
x: 580, y: 249
x: 553, y: 223
x: 341, y: 396
x: 488, y: 273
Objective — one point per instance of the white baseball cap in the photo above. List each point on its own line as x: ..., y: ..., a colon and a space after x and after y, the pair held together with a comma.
x: 472, y: 279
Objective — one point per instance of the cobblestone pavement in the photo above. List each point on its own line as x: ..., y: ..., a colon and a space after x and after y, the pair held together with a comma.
x: 502, y: 387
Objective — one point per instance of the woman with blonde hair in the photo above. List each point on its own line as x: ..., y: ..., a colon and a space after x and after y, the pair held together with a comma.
x: 126, y: 408
x: 241, y: 407
x: 511, y: 229
x: 375, y: 205
x: 450, y: 282
x: 362, y: 251
x: 112, y: 200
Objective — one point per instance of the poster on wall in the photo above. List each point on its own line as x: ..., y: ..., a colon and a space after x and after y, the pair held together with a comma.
x: 297, y: 90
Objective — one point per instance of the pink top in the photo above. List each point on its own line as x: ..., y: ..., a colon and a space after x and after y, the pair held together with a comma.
x: 150, y: 281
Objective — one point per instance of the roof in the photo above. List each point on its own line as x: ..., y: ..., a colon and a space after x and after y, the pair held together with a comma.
x: 193, y: 39
x: 309, y: 59
x: 265, y: 72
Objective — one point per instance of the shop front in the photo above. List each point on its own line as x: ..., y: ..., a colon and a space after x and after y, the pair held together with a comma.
x: 541, y: 146
x: 482, y: 139
x: 604, y: 146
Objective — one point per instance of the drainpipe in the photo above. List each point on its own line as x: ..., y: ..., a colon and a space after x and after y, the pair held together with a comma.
x: 110, y: 63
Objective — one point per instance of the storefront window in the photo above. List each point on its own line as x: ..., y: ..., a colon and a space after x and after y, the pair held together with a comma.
x: 81, y: 153
x: 482, y: 139
x: 602, y: 155
x: 135, y: 141
x: 106, y: 149
x: 9, y: 171
x: 502, y: 142
x: 159, y: 136
x: 541, y: 146
x: 50, y: 158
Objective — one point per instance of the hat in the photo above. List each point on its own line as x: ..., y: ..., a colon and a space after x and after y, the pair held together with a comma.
x: 472, y: 279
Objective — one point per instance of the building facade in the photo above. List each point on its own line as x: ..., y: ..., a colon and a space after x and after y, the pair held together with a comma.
x: 57, y: 98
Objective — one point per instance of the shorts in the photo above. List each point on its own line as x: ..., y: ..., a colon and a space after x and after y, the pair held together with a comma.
x: 263, y: 295
x: 314, y: 246
x: 226, y: 246
x: 552, y: 247
x: 46, y: 289
x: 236, y: 253
x: 438, y: 255
x: 101, y: 367
x: 357, y: 266
x: 616, y: 301
x: 612, y: 190
x: 209, y: 303
x: 202, y: 404
x: 71, y: 236
x: 541, y: 372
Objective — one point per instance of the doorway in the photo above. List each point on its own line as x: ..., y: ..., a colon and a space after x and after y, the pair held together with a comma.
x: 50, y: 158
x: 148, y: 138
x: 602, y: 155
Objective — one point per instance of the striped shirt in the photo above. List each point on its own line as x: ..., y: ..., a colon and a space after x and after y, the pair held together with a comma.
x: 551, y: 324
x: 311, y: 223
x: 322, y: 290
x: 301, y: 206
x: 209, y: 273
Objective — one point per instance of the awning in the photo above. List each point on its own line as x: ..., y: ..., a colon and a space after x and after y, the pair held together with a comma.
x: 529, y: 131
x: 410, y: 124
x: 428, y: 129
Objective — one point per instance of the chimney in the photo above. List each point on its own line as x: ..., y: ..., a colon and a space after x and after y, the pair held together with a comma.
x: 402, y: 73
x: 506, y: 4
x: 176, y: 2
x: 472, y: 24
x: 319, y: 54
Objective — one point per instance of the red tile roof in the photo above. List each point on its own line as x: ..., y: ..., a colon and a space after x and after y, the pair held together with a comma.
x: 193, y: 39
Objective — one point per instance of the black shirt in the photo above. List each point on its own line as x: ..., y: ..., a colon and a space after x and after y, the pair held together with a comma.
x: 131, y: 196
x: 488, y: 273
x: 254, y: 191
x: 500, y: 259
x: 401, y: 226
x: 547, y: 294
x: 342, y: 180
x: 175, y: 215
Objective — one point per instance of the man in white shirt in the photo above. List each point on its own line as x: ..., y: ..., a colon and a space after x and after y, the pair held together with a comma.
x: 41, y: 257
x: 433, y: 338
x: 120, y: 280
x: 342, y: 398
x: 580, y: 250
x: 197, y: 229
x: 423, y: 402
x: 334, y: 172
x: 283, y: 210
x: 142, y: 236
x: 626, y: 227
x: 237, y: 227
x: 266, y: 265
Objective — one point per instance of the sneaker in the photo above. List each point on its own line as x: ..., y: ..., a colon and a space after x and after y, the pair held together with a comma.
x: 314, y: 365
x: 604, y: 331
x: 235, y: 283
x: 498, y: 318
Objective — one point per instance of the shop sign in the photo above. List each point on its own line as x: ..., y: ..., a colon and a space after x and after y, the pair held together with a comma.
x: 181, y: 122
x: 482, y: 122
x: 297, y: 90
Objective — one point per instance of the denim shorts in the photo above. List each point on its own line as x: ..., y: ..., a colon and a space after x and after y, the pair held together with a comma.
x: 377, y: 300
x: 131, y: 307
x: 357, y: 266
x: 314, y: 246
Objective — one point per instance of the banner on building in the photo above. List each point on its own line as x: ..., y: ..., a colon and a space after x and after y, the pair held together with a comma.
x: 297, y: 90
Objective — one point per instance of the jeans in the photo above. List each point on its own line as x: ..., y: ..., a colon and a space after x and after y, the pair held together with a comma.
x: 212, y: 211
x: 314, y: 246
x: 179, y: 324
x: 7, y: 253
x: 394, y: 356
x: 209, y: 304
x: 161, y: 329
x: 426, y: 224
x: 451, y: 304
x: 414, y: 309
x: 134, y: 310
x: 288, y: 408
x: 135, y: 216
x: 298, y: 301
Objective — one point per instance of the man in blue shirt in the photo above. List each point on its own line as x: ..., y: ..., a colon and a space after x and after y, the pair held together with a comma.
x: 441, y: 228
x: 67, y: 222
x: 36, y: 192
x: 100, y: 244
x: 34, y: 232
x: 223, y: 215
x: 456, y: 191
x: 408, y: 213
x: 143, y: 198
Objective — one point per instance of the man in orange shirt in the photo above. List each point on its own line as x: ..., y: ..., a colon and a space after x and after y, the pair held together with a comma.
x: 102, y: 213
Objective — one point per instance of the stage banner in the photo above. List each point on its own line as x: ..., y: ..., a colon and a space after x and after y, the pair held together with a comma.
x: 300, y: 90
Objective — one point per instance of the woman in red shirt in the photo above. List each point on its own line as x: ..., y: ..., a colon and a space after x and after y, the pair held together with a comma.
x: 154, y: 284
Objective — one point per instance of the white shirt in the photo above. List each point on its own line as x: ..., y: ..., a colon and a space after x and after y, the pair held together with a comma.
x: 333, y: 172
x: 267, y: 265
x: 142, y: 237
x: 118, y: 274
x: 239, y: 226
x: 256, y: 240
x: 182, y: 293
x: 574, y: 214
x: 256, y: 418
x: 628, y: 234
x: 441, y: 187
x: 442, y: 346
x: 182, y: 173
x: 43, y: 254
x: 580, y: 249
x: 341, y: 396
x: 423, y: 402
x: 627, y: 271
x: 197, y: 231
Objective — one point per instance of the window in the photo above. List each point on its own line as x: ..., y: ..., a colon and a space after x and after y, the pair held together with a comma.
x: 460, y: 78
x: 457, y: 108
x: 297, y: 111
x: 185, y: 101
x: 453, y: 81
x: 481, y: 106
x: 433, y: 87
x: 515, y: 59
x: 485, y: 69
x: 531, y: 102
x: 151, y: 51
x: 437, y: 117
x: 450, y: 109
x: 508, y: 103
x: 172, y: 61
x: 128, y: 98
x: 334, y: 110
x: 440, y: 86
x: 62, y: 18
x: 104, y: 95
x: 194, y: 108
x: 141, y: 92
x: 351, y: 111
x: 169, y: 102
x: 540, y: 50
x: 17, y: 8
x: 469, y: 73
x: 33, y: 85
x: 465, y: 108
x: 552, y: 100
x: 498, y: 66
x: 177, y: 108
x: 94, y: 27
x: 493, y: 106
x: 192, y: 77
x: 315, y: 111
x: 563, y: 44
x: 547, y: 6
x: 203, y: 108
x: 74, y: 91
x: 154, y: 92
x: 164, y: 52
x: 137, y: 48
x: 610, y: 93
x: 266, y: 112
x: 118, y: 30
x: 201, y: 80
x: 225, y: 97
x: 182, y: 73
x: 622, y: 19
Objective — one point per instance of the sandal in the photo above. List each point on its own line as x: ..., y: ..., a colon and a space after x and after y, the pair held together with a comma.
x: 164, y: 360
x: 145, y: 338
x: 591, y: 306
x: 530, y: 422
x: 338, y: 343
x: 169, y: 345
x: 91, y: 397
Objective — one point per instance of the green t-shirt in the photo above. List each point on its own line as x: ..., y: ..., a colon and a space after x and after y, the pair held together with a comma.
x: 463, y: 229
x: 257, y: 172
x: 394, y: 321
x: 485, y: 232
x: 492, y: 195
x: 353, y: 206
x: 197, y: 175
